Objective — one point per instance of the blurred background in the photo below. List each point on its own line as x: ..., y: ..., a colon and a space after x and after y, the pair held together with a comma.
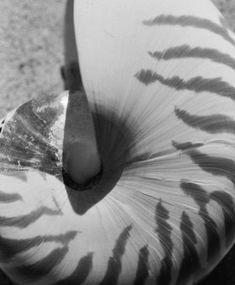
x: 31, y: 55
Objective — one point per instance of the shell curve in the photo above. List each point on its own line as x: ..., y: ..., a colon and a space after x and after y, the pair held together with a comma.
x: 163, y: 109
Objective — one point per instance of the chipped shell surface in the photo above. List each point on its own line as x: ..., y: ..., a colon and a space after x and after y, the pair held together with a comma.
x: 160, y: 84
x: 32, y: 136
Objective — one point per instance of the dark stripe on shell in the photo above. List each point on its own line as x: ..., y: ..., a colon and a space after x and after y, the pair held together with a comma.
x: 11, y: 247
x: 9, y: 197
x: 39, y: 269
x: 25, y: 220
x: 142, y: 267
x: 186, y: 145
x: 226, y: 203
x: 218, y: 166
x: 191, y: 21
x: 114, y: 267
x: 164, y: 234
x: 201, y: 198
x: 197, y: 84
x: 191, y: 261
x: 81, y: 272
x: 212, y: 124
x: 2, y: 125
x: 185, y: 51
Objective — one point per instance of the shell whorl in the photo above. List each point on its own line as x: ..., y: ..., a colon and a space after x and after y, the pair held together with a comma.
x: 159, y: 78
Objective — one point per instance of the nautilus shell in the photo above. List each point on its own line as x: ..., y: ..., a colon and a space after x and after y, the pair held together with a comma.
x: 158, y: 114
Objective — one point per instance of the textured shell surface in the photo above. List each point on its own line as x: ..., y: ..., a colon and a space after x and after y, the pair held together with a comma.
x: 159, y: 82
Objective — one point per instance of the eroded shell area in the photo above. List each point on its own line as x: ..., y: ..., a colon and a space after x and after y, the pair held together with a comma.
x: 33, y: 135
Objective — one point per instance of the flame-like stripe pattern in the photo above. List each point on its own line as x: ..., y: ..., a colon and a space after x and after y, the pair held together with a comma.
x: 159, y: 77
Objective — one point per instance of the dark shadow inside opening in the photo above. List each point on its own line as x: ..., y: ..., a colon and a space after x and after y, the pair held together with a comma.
x: 114, y: 140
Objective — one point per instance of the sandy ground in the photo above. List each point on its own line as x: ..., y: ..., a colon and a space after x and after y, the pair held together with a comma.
x: 31, y: 49
x: 31, y: 54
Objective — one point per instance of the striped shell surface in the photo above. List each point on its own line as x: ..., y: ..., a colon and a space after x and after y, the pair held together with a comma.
x: 159, y: 78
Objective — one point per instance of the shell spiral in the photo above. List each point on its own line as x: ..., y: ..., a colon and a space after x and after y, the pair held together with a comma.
x: 159, y: 82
